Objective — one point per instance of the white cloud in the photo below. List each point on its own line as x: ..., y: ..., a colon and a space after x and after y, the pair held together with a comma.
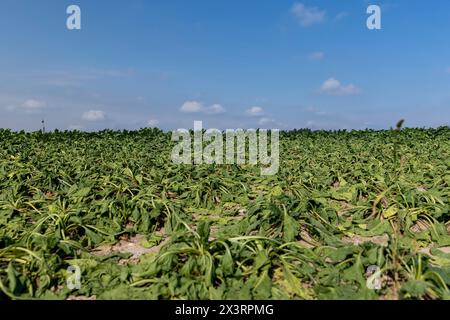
x: 94, y: 115
x: 29, y: 106
x: 317, y: 55
x: 215, y: 109
x: 335, y: 87
x: 32, y: 104
x: 197, y: 107
x: 307, y: 16
x: 264, y: 121
x: 153, y: 122
x: 255, y: 111
x: 191, y: 107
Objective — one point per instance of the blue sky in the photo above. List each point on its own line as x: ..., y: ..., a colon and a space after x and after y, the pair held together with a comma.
x: 233, y: 64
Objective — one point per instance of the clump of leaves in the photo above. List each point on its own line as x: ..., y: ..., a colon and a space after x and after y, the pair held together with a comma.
x: 341, y: 203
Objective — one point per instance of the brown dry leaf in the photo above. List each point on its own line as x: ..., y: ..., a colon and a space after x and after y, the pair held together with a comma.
x: 235, y: 207
x: 50, y: 194
x: 345, y: 206
x: 362, y: 198
x: 421, y: 189
x: 420, y: 226
x: 306, y: 238
x: 171, y: 195
x: 444, y: 249
x: 427, y: 250
x: 304, y: 244
x: 357, y: 240
x: 384, y: 203
x: 242, y: 212
x: 213, y: 232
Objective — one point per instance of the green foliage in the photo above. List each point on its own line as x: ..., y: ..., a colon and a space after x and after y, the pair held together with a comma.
x: 341, y: 202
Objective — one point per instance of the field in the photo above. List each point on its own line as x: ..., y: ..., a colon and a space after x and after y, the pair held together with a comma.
x: 350, y: 215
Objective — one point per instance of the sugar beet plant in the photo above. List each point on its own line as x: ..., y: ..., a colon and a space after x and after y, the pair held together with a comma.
x: 140, y: 227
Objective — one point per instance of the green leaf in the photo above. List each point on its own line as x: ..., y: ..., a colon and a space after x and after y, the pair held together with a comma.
x: 290, y: 228
x: 390, y: 212
x: 81, y: 193
x: 203, y: 230
x: 12, y: 278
